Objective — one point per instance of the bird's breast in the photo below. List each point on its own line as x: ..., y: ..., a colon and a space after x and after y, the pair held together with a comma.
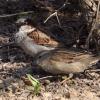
x: 32, y: 48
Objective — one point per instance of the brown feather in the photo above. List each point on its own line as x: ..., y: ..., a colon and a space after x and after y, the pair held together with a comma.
x: 42, y: 38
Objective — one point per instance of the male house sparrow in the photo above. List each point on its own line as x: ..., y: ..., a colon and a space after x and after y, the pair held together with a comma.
x: 62, y: 61
x: 33, y: 41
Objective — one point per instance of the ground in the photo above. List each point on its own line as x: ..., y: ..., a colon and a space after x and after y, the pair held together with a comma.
x: 13, y: 87
x: 14, y: 64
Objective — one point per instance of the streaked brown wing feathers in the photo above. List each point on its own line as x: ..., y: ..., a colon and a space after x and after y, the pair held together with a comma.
x: 41, y: 38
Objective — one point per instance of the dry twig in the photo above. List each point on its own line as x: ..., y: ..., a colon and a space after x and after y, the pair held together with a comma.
x: 21, y: 13
x: 56, y: 13
x: 93, y: 26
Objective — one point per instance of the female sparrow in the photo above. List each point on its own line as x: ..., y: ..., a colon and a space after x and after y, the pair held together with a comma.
x: 62, y: 61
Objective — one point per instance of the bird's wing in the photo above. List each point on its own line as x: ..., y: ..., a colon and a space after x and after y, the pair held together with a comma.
x: 41, y: 38
x: 70, y: 56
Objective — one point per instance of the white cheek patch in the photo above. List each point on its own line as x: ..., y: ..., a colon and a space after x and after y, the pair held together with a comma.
x: 19, y: 37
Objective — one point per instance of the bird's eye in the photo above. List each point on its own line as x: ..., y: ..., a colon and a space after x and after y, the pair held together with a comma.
x: 40, y: 57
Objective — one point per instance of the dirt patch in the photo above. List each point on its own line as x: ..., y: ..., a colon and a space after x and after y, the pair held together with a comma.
x: 12, y: 86
x: 14, y: 64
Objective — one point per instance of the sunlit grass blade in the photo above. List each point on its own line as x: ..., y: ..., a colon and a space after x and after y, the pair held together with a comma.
x: 35, y: 83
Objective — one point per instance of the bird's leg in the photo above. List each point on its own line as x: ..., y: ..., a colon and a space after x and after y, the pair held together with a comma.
x: 87, y: 74
x: 67, y: 78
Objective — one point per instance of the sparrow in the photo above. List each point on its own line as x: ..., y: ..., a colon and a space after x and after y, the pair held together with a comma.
x: 33, y: 41
x: 63, y: 61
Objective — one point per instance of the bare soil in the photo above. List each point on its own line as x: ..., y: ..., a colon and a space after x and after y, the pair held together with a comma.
x: 14, y: 65
x: 13, y: 87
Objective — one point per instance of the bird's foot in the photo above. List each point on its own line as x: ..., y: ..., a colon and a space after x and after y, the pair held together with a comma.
x: 66, y: 78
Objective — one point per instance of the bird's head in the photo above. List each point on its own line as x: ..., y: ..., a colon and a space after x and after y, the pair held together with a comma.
x: 41, y: 58
x: 22, y: 33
